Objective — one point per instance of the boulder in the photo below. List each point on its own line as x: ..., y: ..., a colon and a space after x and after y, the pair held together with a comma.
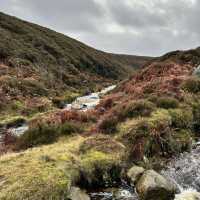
x: 153, y: 186
x: 77, y: 194
x: 135, y: 173
x: 188, y: 195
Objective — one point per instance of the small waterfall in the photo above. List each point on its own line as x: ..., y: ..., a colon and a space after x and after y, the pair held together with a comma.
x: 185, y: 172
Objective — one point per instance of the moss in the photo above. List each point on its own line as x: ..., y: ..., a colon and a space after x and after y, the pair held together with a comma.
x: 49, y: 171
x: 100, y: 169
x: 28, y: 176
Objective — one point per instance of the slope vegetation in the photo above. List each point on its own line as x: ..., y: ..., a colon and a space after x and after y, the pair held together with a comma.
x: 41, y: 63
x: 148, y: 119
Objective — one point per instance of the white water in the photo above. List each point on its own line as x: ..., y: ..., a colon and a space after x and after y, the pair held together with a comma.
x: 88, y: 102
x: 124, y: 192
x: 81, y: 103
x: 184, y: 171
x: 18, y: 131
x: 13, y: 131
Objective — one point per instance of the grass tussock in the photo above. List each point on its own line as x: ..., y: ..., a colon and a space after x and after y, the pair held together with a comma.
x: 167, y: 102
x: 140, y: 108
x: 46, y: 134
x: 49, y: 171
x: 192, y: 85
x: 163, y: 134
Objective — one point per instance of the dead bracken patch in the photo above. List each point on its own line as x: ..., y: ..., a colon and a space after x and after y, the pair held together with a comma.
x: 101, y: 143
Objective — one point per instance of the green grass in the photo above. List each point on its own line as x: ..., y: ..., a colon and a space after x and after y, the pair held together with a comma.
x: 48, y: 172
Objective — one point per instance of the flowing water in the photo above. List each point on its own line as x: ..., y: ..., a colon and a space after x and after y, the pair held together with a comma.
x: 17, y: 131
x: 88, y: 102
x: 124, y: 192
x: 83, y: 103
x: 184, y: 171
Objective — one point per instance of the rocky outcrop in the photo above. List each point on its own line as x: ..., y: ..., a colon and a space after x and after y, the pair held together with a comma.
x: 135, y: 173
x: 153, y: 186
x: 77, y: 194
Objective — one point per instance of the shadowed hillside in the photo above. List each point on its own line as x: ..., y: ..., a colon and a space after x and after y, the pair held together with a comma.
x: 41, y: 63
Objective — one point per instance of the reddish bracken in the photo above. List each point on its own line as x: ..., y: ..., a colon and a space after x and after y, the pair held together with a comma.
x: 163, y: 76
x: 78, y: 116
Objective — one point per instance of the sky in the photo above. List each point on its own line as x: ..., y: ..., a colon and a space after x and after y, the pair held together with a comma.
x: 139, y: 27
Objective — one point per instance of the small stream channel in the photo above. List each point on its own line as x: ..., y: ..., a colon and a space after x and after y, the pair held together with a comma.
x: 83, y: 103
x: 88, y: 102
x: 184, y: 171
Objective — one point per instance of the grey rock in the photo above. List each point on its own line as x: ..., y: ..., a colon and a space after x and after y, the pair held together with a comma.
x: 78, y: 194
x: 153, y: 186
x: 135, y: 173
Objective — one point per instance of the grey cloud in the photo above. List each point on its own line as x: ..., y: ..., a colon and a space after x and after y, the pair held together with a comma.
x: 145, y: 27
x: 136, y: 15
x: 65, y: 15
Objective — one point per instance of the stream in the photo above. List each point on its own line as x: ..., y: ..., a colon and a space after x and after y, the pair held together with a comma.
x: 184, y: 171
x: 88, y: 102
x: 83, y: 103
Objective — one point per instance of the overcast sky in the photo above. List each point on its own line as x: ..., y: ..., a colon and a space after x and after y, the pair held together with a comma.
x: 143, y: 27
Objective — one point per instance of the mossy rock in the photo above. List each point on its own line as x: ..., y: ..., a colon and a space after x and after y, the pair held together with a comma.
x: 100, y: 169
